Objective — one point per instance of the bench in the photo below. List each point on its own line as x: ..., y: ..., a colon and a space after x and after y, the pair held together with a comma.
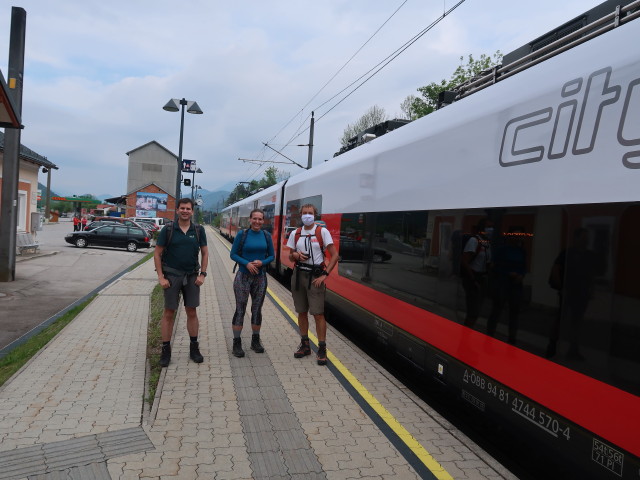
x: 25, y: 241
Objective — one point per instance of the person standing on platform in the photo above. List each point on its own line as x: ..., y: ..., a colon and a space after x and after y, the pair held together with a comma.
x: 176, y: 261
x: 307, y: 247
x: 252, y: 250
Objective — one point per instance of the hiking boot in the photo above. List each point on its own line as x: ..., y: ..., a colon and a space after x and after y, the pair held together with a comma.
x: 256, y: 346
x: 194, y: 352
x: 303, y: 350
x: 165, y: 357
x: 322, y: 355
x: 237, y: 348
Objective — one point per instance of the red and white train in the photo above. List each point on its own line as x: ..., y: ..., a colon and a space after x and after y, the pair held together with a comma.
x: 551, y: 156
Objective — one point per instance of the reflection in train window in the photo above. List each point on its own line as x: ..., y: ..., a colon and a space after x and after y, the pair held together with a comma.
x: 561, y: 281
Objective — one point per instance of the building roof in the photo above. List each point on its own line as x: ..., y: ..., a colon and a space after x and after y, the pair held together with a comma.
x: 150, y: 143
x: 145, y: 186
x: 9, y: 117
x: 30, y: 155
x: 119, y: 200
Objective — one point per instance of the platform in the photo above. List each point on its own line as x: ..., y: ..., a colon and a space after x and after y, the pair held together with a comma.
x: 77, y: 411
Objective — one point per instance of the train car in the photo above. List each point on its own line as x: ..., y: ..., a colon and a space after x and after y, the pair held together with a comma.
x: 236, y: 217
x: 545, y: 340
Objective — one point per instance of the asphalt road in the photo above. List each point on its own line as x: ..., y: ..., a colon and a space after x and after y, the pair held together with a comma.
x: 51, y: 281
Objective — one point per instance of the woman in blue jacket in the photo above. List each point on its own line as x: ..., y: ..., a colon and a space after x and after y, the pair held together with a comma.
x: 253, y: 251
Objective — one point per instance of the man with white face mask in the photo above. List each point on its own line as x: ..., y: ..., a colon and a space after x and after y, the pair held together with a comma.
x: 307, y: 246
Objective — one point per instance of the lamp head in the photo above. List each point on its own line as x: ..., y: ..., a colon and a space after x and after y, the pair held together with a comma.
x: 194, y: 108
x: 172, y: 105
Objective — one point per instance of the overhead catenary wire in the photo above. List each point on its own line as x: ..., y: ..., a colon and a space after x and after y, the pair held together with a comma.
x: 375, y: 69
x: 338, y: 72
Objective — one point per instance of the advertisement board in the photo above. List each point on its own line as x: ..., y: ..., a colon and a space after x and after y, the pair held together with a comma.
x: 149, y: 204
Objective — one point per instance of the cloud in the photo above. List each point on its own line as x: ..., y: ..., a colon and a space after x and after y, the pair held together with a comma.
x: 98, y: 73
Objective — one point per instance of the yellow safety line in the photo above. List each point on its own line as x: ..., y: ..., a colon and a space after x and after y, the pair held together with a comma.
x: 402, y: 433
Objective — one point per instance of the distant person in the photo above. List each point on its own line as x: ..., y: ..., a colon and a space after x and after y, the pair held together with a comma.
x: 474, y: 268
x: 176, y: 261
x: 253, y: 251
x: 307, y: 246
x: 84, y: 222
x: 76, y: 223
x: 509, y: 268
x: 573, y: 275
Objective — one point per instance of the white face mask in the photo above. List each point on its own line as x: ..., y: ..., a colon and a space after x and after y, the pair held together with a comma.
x: 308, y: 219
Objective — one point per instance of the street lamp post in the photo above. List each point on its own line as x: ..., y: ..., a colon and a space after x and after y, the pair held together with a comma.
x: 194, y: 181
x: 192, y: 107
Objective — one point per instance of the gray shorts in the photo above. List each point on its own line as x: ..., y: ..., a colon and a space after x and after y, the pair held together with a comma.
x: 186, y: 285
x: 305, y: 298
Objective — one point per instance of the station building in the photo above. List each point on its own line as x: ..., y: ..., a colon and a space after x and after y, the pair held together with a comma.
x: 151, y: 183
x: 31, y: 164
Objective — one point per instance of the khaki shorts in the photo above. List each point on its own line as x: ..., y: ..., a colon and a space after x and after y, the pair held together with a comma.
x: 178, y: 284
x: 307, y: 299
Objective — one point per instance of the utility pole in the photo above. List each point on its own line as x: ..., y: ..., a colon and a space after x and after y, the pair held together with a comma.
x: 309, y: 160
x: 11, y: 163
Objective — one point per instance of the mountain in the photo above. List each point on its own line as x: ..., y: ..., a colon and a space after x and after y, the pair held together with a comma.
x: 214, y: 201
x: 43, y: 189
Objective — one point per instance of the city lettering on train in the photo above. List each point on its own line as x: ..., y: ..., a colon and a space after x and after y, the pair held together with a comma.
x: 596, y: 96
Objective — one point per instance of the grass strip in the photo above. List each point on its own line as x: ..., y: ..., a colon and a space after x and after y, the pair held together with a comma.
x: 154, y: 341
x: 17, y: 357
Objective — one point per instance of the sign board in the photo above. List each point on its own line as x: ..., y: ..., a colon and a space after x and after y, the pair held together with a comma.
x: 188, y: 166
x: 148, y: 204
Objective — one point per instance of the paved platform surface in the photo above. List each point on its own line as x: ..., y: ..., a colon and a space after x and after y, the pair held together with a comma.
x: 76, y: 411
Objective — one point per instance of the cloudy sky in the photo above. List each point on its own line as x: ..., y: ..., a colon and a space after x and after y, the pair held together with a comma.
x: 97, y: 74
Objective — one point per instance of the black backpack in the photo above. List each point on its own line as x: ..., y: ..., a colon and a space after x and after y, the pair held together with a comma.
x: 241, y: 246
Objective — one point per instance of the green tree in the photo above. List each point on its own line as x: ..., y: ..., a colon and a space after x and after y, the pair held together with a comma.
x: 243, y: 189
x: 406, y: 107
x: 372, y: 117
x: 429, y: 101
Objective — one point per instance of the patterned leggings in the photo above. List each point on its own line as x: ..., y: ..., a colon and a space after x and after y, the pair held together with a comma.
x: 246, y: 284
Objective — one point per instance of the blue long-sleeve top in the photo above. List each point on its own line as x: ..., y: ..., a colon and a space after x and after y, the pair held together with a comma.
x: 257, y: 246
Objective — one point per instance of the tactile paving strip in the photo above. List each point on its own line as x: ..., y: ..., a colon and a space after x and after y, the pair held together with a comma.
x: 78, y: 458
x: 276, y: 443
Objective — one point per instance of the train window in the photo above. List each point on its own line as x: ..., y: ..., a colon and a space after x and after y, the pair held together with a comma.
x: 558, y: 281
x: 385, y: 250
x: 269, y: 215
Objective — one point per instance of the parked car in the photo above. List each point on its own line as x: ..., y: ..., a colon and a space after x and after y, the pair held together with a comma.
x: 101, y: 221
x: 157, y: 221
x: 148, y: 224
x: 130, y: 237
x: 354, y: 251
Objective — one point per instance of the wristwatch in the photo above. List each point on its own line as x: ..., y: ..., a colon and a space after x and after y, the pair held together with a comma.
x: 204, y: 274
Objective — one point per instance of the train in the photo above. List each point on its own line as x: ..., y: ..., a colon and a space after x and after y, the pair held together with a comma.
x: 547, y: 149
